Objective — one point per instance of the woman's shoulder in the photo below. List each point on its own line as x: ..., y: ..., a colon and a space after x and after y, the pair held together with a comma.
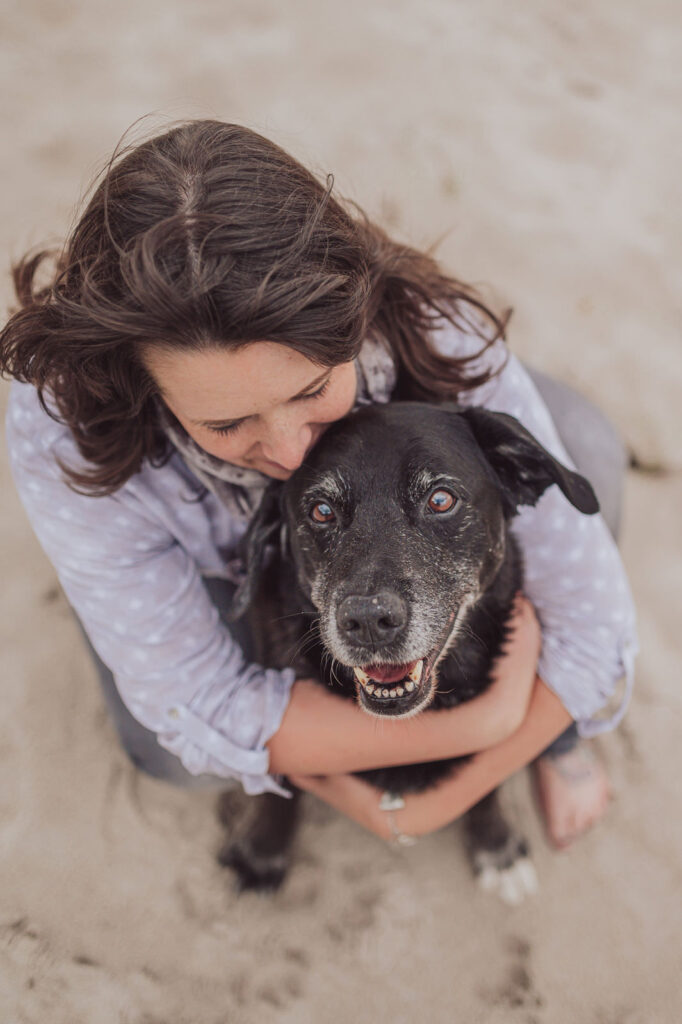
x: 472, y: 340
x: 155, y: 514
x: 29, y: 428
x: 37, y: 444
x: 467, y: 338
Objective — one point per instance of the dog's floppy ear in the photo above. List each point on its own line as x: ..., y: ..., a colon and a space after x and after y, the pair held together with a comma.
x: 265, y: 528
x: 524, y: 468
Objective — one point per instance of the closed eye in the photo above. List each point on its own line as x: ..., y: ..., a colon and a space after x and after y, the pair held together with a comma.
x: 314, y: 394
x: 228, y: 428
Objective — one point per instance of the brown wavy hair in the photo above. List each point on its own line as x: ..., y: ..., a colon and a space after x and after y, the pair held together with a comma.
x: 209, y: 235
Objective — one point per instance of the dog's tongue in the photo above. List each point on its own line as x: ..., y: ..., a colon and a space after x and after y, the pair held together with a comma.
x: 388, y: 673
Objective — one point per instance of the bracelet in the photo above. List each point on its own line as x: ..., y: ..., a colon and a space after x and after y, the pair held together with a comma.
x: 390, y: 802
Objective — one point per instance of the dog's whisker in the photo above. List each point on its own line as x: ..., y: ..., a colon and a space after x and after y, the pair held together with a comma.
x: 451, y: 690
x: 298, y: 645
x: 291, y: 615
x: 299, y: 651
x: 311, y: 636
x: 325, y: 663
x: 302, y: 648
x: 306, y: 642
x: 329, y: 663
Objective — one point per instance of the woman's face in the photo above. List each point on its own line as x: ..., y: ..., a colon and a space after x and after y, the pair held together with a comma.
x: 262, y: 406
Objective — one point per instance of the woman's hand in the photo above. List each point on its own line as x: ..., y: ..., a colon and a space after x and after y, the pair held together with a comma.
x: 423, y: 812
x: 352, y: 796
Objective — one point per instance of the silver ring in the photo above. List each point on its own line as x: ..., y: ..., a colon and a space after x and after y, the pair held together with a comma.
x: 390, y: 802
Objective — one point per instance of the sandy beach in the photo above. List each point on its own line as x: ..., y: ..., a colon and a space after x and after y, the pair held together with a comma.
x: 539, y: 145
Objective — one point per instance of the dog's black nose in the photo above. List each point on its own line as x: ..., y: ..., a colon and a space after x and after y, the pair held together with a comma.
x: 374, y: 620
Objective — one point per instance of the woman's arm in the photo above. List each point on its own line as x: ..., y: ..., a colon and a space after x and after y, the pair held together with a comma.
x: 573, y: 572
x: 431, y: 810
x: 322, y: 734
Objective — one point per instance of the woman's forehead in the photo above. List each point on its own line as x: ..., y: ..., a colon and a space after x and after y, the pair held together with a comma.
x: 218, y: 383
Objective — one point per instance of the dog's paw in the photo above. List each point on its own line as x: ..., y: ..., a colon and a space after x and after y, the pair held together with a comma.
x: 508, y: 872
x: 254, y: 872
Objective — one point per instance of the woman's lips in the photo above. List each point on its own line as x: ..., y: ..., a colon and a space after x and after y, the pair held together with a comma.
x: 276, y: 466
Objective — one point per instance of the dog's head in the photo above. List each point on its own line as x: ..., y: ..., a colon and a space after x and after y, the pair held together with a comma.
x: 397, y: 524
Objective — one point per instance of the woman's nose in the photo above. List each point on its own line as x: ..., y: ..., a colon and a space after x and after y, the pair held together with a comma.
x: 287, y: 444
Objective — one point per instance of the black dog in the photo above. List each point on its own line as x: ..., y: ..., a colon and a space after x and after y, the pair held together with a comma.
x: 394, y: 539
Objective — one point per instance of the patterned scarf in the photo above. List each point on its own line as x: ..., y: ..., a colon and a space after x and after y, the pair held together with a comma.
x: 241, y: 490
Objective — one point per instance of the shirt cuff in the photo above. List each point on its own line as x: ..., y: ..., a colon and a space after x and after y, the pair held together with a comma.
x: 595, y: 708
x: 605, y: 723
x: 201, y: 747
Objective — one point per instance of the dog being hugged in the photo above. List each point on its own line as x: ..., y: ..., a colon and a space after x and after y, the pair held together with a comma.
x: 395, y: 570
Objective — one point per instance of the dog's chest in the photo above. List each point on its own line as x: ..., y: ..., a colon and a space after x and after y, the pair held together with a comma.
x: 463, y: 674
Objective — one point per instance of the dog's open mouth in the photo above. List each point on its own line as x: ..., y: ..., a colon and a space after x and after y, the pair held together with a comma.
x: 389, y: 682
x: 391, y: 689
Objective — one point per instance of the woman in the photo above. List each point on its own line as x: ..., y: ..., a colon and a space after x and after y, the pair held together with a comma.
x: 214, y: 309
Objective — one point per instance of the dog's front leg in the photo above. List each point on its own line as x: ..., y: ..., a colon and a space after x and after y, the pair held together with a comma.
x: 260, y: 853
x: 499, y: 855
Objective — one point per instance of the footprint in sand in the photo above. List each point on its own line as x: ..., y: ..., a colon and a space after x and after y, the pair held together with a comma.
x: 517, y: 988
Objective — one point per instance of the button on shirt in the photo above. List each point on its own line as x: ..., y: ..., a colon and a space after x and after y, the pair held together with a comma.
x: 131, y: 565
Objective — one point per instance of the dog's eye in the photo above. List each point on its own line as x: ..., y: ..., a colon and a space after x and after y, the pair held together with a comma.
x: 322, y: 512
x: 441, y: 501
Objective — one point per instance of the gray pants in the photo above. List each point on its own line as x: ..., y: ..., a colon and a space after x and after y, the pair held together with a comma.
x: 597, y: 452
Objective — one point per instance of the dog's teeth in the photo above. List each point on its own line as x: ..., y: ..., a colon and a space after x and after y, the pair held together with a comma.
x: 416, y: 673
x: 370, y: 687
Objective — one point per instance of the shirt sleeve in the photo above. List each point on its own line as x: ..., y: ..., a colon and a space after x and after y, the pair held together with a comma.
x: 574, y: 575
x: 144, y: 606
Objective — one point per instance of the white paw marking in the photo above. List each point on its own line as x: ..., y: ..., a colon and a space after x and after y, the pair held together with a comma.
x: 512, y: 884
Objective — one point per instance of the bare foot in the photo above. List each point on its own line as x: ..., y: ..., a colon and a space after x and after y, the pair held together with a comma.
x: 573, y: 792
